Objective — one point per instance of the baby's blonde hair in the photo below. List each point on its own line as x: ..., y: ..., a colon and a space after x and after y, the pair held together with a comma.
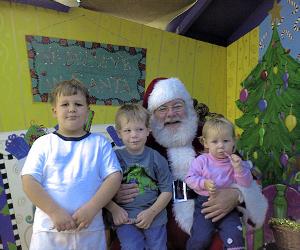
x: 68, y: 88
x: 132, y: 112
x: 217, y: 124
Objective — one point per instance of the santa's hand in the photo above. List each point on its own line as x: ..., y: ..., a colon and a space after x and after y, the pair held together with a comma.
x: 127, y: 193
x: 219, y: 205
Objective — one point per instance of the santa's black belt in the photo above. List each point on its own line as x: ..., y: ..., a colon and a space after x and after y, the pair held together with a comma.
x: 181, y: 192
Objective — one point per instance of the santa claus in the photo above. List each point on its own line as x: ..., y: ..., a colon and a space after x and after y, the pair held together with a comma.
x: 175, y: 131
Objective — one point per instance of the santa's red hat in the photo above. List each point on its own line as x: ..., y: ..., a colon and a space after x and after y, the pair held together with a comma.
x: 162, y: 90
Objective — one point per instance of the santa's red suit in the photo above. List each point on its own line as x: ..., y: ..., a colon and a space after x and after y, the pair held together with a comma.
x: 180, y: 147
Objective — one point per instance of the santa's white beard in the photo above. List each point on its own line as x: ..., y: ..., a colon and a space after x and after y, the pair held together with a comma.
x: 180, y: 136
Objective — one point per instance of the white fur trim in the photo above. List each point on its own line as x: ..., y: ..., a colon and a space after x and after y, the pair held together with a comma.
x: 256, y: 204
x: 180, y: 160
x: 168, y: 90
x: 184, y: 213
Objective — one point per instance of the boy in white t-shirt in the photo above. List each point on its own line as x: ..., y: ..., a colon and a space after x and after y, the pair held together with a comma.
x: 70, y: 175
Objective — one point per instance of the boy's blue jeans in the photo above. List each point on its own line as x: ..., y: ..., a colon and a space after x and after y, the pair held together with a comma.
x: 134, y: 238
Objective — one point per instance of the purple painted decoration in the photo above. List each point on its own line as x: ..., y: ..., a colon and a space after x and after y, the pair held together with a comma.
x: 284, y: 159
x: 17, y: 146
x: 285, y: 85
x: 244, y: 95
x: 285, y: 76
x: 6, y: 228
x: 114, y: 136
x: 262, y: 105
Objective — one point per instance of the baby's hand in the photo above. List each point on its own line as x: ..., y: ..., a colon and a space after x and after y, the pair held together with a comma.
x: 120, y: 216
x: 145, y: 218
x: 62, y: 221
x: 210, y: 186
x: 236, y: 162
x: 84, y: 216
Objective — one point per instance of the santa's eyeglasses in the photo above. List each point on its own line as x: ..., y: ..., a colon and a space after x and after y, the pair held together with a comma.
x: 176, y: 108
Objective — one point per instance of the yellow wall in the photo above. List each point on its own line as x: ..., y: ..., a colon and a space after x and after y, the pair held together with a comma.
x: 242, y: 56
x: 201, y: 66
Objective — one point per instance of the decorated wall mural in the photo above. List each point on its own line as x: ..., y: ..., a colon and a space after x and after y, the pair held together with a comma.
x: 270, y: 102
x: 270, y: 122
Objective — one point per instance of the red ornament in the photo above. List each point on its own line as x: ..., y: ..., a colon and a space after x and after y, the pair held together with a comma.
x: 264, y: 75
x: 244, y: 95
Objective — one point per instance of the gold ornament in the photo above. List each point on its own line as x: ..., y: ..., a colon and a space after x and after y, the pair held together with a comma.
x: 255, y: 155
x: 290, y: 122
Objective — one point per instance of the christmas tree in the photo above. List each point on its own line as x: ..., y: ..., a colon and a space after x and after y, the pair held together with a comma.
x: 270, y: 102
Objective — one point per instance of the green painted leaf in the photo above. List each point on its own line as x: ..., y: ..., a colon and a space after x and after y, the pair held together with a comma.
x: 5, y: 210
x: 11, y: 246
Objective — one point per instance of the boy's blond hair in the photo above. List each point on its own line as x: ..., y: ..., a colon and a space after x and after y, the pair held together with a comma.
x: 216, y: 124
x: 68, y: 88
x: 132, y: 112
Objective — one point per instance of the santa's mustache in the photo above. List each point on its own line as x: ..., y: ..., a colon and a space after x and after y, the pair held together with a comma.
x: 159, y: 125
x: 172, y: 122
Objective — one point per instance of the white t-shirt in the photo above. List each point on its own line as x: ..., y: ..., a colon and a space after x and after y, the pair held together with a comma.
x: 71, y: 170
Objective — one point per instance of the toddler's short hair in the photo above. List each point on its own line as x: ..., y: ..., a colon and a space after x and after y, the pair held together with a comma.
x: 132, y: 112
x: 218, y: 124
x: 67, y: 88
